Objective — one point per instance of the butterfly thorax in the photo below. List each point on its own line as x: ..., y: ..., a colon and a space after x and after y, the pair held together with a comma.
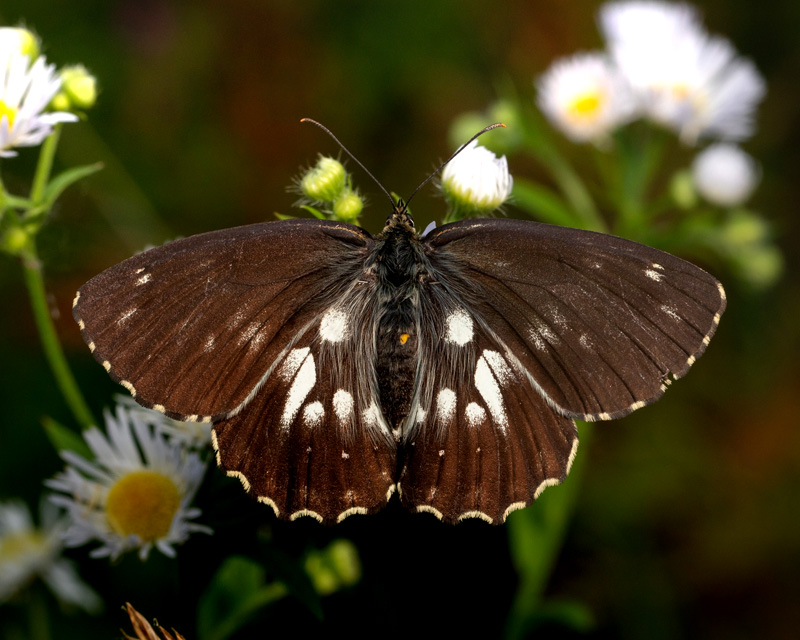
x: 399, y: 264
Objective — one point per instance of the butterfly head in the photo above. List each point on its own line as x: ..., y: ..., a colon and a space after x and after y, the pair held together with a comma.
x: 400, y: 217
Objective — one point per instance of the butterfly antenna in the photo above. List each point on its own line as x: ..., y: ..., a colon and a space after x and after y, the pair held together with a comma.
x: 455, y: 153
x: 356, y: 160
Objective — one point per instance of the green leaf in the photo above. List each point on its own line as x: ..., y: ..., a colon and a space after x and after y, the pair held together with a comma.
x: 543, y: 203
x: 567, y: 614
x: 291, y: 572
x: 65, y: 439
x: 63, y: 180
x: 535, y: 538
x: 236, y: 593
x: 283, y: 216
x: 314, y: 212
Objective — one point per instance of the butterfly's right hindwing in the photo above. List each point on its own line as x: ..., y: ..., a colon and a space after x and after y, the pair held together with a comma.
x: 314, y: 441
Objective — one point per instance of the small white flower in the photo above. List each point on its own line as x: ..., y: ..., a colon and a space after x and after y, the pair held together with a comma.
x: 17, y: 40
x: 135, y: 494
x: 27, y: 551
x: 585, y: 97
x: 476, y: 181
x: 683, y: 77
x: 193, y: 435
x: 725, y: 175
x: 25, y: 91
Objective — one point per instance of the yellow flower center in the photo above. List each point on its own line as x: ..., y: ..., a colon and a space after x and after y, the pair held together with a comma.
x: 25, y: 543
x: 8, y: 112
x: 679, y: 91
x: 585, y: 106
x: 143, y: 503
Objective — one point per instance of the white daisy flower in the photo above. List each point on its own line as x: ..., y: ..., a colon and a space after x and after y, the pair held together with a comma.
x: 27, y: 552
x: 683, y: 77
x: 25, y: 91
x: 585, y: 97
x: 15, y: 40
x: 476, y: 181
x: 193, y: 435
x: 136, y: 493
x: 725, y: 175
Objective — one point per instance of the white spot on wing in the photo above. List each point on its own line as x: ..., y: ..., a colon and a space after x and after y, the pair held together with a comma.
x: 459, y: 327
x: 248, y: 332
x: 670, y: 311
x: 541, y: 334
x: 335, y: 326
x: 653, y: 275
x: 499, y: 367
x: 343, y: 405
x: 75, y: 301
x: 475, y: 414
x: 371, y: 415
x: 292, y: 362
x: 144, y: 279
x: 445, y: 405
x: 124, y: 317
x: 303, y: 382
x: 487, y: 386
x: 313, y: 414
x: 209, y: 345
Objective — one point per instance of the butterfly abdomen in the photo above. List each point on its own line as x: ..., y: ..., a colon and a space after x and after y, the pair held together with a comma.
x: 400, y: 263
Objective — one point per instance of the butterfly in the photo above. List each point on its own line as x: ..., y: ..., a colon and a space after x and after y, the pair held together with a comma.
x: 338, y: 368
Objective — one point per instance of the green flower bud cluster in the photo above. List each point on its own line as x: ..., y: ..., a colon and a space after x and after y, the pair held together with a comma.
x: 745, y: 240
x: 334, y: 568
x: 78, y: 89
x: 329, y: 184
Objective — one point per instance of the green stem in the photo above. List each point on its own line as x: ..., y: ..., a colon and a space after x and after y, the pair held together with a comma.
x: 45, y: 164
x: 536, y: 535
x: 50, y: 343
x: 38, y: 616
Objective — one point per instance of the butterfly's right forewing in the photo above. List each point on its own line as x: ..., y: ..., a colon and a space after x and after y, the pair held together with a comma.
x: 192, y: 327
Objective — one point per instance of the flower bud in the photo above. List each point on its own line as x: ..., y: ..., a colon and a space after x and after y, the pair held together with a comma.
x: 16, y: 240
x: 325, y: 182
x: 348, y: 206
x: 19, y: 40
x: 682, y: 190
x: 78, y: 89
x: 476, y: 182
x: 725, y: 175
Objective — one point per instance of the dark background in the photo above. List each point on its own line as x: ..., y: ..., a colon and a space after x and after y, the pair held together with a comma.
x: 687, y: 523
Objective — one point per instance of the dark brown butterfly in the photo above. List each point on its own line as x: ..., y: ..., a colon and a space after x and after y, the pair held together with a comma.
x: 339, y: 368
